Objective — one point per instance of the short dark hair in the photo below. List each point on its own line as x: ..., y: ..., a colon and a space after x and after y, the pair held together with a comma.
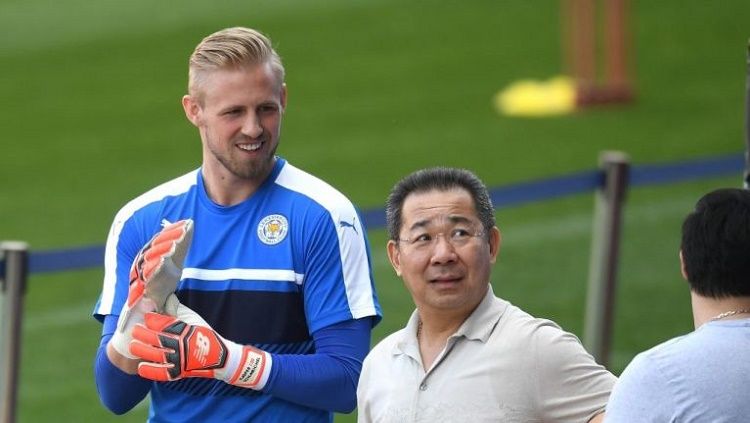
x: 442, y: 179
x: 716, y: 244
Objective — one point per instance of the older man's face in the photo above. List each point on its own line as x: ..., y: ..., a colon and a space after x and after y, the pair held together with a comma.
x: 443, y: 255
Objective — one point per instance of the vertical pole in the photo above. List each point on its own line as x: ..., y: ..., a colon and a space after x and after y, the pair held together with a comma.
x: 747, y: 121
x: 579, y: 18
x: 616, y: 77
x: 605, y: 246
x: 12, y: 287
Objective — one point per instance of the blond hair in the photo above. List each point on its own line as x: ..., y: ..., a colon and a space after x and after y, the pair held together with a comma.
x: 231, y: 48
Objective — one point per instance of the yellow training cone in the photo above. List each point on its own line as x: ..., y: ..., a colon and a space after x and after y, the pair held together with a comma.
x: 530, y: 98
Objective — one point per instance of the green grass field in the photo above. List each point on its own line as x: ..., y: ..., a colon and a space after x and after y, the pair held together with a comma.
x: 376, y: 89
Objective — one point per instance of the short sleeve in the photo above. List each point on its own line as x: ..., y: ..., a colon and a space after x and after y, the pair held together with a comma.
x: 640, y: 395
x: 338, y: 279
x: 571, y: 386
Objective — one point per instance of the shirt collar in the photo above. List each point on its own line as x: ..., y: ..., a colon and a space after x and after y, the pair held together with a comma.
x: 478, y: 326
x: 483, y: 319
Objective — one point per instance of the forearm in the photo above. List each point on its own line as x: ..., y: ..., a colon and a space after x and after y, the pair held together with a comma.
x: 327, y: 379
x: 118, y: 390
x: 316, y: 381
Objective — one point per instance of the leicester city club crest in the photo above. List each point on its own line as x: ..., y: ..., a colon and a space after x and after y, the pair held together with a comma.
x: 273, y: 229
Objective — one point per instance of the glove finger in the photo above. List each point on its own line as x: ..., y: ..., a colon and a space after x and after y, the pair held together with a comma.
x: 136, y: 263
x: 181, y: 224
x: 142, y: 251
x: 148, y: 352
x: 163, y: 242
x: 173, y: 243
x: 164, y: 323
x: 171, y: 233
x: 183, y: 244
x: 150, y: 267
x: 163, y: 267
x: 145, y: 335
x: 155, y: 371
x: 135, y: 292
x: 135, y: 268
x: 157, y: 251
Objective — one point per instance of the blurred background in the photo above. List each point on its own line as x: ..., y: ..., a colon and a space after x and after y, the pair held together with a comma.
x: 91, y: 116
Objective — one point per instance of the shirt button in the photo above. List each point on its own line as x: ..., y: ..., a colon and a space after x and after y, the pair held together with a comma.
x: 423, y: 386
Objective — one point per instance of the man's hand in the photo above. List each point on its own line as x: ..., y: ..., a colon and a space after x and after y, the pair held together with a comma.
x: 172, y: 350
x: 154, y: 275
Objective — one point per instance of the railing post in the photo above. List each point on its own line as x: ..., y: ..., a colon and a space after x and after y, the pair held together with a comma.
x: 12, y: 289
x: 600, y: 301
x: 746, y: 178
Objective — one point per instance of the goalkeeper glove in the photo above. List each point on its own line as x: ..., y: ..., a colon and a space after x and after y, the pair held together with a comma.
x: 173, y: 349
x: 153, y: 277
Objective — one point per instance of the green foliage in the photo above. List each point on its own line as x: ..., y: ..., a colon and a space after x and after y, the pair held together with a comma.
x: 377, y: 89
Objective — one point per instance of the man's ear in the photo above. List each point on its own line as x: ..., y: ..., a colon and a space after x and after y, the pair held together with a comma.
x: 496, y: 239
x: 283, y: 96
x: 394, y: 256
x: 192, y: 109
x: 682, y: 267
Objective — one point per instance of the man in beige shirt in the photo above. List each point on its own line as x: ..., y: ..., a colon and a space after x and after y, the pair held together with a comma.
x: 466, y: 355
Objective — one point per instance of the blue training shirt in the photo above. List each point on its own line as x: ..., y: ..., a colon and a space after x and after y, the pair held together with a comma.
x: 290, y: 260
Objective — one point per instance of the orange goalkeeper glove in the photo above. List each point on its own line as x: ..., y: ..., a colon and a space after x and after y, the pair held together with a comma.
x: 154, y: 275
x: 172, y: 350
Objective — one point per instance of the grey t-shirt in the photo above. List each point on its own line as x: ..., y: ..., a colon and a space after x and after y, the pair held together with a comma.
x: 699, y: 377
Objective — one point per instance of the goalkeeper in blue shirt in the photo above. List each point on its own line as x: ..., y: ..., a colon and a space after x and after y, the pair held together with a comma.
x: 240, y: 291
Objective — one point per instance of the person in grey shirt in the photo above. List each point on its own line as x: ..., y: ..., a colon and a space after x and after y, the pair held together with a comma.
x: 466, y: 355
x: 701, y: 376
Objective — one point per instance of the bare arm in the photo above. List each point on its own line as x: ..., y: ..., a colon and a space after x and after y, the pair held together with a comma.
x: 599, y: 418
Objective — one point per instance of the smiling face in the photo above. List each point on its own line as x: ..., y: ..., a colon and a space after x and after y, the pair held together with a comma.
x: 238, y: 114
x: 443, y: 255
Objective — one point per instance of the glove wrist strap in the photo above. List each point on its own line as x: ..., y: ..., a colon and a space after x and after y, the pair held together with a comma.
x: 252, y: 366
